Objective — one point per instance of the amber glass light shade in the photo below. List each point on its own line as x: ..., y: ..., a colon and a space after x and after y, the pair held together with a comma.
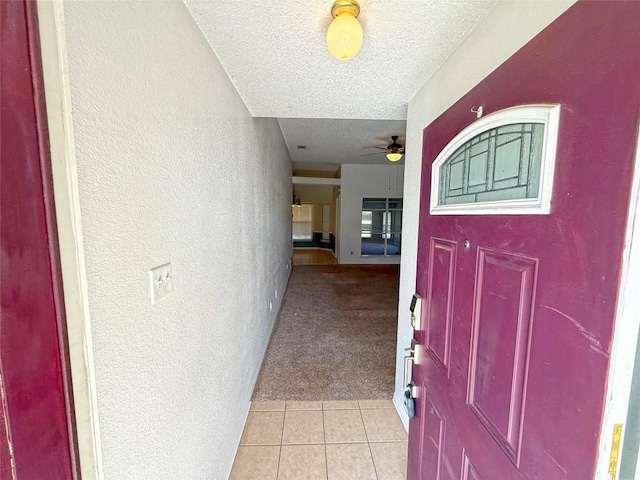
x: 344, y: 35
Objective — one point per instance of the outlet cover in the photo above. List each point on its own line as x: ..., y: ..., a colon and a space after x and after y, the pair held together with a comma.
x: 161, y: 282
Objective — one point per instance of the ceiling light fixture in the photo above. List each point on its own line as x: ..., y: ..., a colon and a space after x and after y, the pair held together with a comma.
x: 344, y: 35
x: 394, y: 150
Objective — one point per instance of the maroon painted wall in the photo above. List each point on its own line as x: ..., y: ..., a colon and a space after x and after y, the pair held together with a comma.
x: 32, y: 336
x: 588, y: 61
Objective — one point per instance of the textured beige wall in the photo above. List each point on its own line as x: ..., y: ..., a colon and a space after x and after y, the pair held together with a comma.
x: 166, y: 155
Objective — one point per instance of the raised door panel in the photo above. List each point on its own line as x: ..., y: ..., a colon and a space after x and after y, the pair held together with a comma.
x: 500, y: 343
x: 441, y: 283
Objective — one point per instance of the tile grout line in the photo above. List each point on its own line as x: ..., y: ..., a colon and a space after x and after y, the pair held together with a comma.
x: 279, y: 456
x: 281, y: 437
x: 324, y: 436
x: 373, y: 462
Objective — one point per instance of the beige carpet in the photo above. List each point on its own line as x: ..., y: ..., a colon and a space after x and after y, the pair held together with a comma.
x: 335, y: 336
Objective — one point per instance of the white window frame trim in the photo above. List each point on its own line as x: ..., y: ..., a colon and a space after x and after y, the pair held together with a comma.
x: 547, y: 114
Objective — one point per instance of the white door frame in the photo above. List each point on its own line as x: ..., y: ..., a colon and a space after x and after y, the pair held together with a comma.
x: 625, y: 337
x: 67, y: 205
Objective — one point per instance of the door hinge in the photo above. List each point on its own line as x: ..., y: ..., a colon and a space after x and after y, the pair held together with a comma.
x: 615, y: 451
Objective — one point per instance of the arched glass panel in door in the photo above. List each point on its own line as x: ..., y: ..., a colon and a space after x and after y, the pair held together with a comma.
x: 500, y: 164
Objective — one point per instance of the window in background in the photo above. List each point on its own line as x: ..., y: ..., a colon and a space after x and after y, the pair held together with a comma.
x: 302, y: 228
x: 365, y: 232
x: 381, y: 226
x: 387, y: 219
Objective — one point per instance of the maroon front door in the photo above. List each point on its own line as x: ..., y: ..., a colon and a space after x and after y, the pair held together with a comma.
x: 518, y: 310
x: 36, y: 423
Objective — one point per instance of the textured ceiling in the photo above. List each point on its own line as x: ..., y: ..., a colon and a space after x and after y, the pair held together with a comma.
x: 275, y: 54
x: 333, y: 142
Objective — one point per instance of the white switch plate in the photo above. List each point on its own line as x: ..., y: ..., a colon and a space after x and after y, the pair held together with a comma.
x: 161, y: 282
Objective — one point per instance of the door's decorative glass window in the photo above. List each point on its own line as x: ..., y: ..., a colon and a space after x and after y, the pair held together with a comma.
x: 381, y: 226
x: 501, y: 164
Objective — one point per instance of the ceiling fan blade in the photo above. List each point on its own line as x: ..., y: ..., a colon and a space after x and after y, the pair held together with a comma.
x: 380, y: 148
x: 376, y: 153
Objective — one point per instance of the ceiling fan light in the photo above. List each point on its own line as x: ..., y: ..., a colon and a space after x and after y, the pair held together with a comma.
x: 394, y: 157
x: 344, y: 35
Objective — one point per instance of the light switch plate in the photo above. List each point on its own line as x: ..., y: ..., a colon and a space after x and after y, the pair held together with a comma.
x: 161, y: 282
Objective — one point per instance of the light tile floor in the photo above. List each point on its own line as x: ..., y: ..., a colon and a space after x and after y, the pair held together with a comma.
x: 340, y: 440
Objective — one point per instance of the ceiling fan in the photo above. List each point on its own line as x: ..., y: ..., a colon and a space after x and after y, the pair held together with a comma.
x: 394, y: 150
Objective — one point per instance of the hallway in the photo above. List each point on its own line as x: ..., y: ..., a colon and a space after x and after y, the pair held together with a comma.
x: 322, y: 405
x: 171, y: 155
